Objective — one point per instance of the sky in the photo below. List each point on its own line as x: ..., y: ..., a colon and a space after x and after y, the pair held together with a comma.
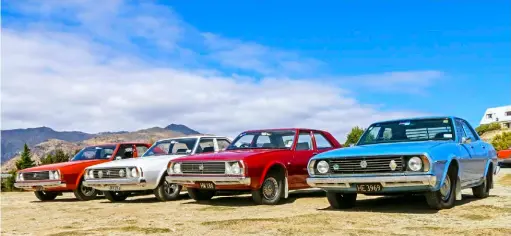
x: 227, y: 66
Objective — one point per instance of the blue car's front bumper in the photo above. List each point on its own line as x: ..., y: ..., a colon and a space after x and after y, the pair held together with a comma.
x: 401, y: 183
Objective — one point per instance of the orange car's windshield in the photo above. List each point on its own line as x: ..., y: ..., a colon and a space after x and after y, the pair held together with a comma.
x: 91, y: 153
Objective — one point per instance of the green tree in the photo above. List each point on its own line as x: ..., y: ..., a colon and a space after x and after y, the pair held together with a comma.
x: 353, y: 136
x: 26, y: 159
x: 48, y: 159
x: 488, y: 127
x: 502, y: 141
x: 8, y: 183
x: 59, y: 156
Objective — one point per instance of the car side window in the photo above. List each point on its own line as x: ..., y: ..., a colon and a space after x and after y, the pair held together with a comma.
x: 141, y: 149
x: 460, y: 130
x: 469, y: 131
x: 222, y: 144
x: 321, y: 141
x: 125, y: 151
x: 205, y: 145
x: 304, y: 141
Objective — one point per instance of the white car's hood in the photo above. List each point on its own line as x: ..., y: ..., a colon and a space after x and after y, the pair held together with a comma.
x: 140, y: 161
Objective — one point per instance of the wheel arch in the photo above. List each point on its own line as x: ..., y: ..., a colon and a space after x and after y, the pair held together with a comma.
x: 453, y: 160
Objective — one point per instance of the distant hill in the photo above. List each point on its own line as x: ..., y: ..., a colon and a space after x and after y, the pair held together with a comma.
x: 182, y: 129
x: 13, y: 140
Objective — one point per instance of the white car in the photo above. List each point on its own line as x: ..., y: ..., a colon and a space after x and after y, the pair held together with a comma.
x: 118, y: 179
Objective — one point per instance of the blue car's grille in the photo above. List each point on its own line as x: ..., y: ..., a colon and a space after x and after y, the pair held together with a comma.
x: 359, y: 165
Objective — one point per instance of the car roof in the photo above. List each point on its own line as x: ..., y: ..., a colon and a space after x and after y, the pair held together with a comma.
x: 420, y: 118
x: 195, y: 136
x: 277, y: 129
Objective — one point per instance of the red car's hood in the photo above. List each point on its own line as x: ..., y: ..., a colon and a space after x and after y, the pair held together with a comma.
x: 228, y: 155
x: 60, y: 165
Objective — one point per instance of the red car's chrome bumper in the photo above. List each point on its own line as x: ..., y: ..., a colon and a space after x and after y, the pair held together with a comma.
x: 217, y: 180
x: 40, y: 185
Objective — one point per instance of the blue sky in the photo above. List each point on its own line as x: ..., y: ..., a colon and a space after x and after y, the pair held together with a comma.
x: 376, y: 59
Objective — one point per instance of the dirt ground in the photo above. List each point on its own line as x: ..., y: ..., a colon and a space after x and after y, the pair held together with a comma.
x: 303, y: 214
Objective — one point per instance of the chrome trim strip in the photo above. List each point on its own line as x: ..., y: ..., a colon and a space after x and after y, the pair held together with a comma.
x: 44, y: 184
x: 100, y: 182
x: 224, y: 180
x: 385, y: 181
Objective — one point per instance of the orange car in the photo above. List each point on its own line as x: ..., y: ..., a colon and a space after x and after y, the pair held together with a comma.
x: 504, y: 156
x: 49, y: 181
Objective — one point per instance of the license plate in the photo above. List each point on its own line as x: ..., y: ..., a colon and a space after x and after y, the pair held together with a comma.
x: 39, y: 188
x: 369, y: 188
x: 206, y: 185
x: 114, y: 188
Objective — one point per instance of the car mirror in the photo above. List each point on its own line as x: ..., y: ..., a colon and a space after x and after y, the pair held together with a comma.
x: 466, y: 140
x: 118, y: 158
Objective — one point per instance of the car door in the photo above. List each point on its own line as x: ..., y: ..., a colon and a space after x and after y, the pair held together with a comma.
x: 303, y: 152
x: 465, y: 154
x: 479, y: 159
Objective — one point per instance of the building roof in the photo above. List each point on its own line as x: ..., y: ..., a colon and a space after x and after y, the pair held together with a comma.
x: 497, y: 114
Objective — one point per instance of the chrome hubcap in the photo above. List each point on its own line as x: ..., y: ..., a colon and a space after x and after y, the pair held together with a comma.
x: 270, y: 187
x: 445, y: 190
x: 169, y: 188
x: 87, y: 191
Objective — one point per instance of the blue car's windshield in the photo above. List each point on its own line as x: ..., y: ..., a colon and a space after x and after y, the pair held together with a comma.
x: 408, y: 131
x: 274, y: 139
x: 94, y: 152
x: 179, y: 146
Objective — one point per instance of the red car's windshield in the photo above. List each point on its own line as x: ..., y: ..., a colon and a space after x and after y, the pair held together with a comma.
x: 280, y: 139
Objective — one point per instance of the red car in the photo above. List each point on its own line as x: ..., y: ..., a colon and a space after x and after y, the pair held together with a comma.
x: 504, y: 156
x: 51, y: 180
x: 269, y: 163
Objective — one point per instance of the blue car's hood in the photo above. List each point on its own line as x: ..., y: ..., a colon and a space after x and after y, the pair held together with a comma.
x: 403, y: 148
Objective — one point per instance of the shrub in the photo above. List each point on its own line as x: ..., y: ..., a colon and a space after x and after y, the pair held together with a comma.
x: 353, y: 136
x: 488, y: 127
x: 502, y: 141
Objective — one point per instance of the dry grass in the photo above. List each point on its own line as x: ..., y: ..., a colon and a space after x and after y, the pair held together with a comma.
x: 505, y: 180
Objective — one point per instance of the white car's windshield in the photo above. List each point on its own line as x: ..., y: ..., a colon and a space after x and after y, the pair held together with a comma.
x: 274, y: 139
x: 180, y: 146
x: 408, y: 131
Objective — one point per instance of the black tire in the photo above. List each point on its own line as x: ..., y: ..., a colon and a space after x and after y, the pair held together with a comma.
x: 444, y: 198
x: 341, y: 200
x: 115, y: 196
x: 483, y: 190
x: 84, y: 193
x: 200, y: 195
x: 167, y: 191
x: 271, y: 190
x: 46, y: 196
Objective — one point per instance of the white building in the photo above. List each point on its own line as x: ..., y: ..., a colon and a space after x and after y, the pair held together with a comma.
x: 498, y: 114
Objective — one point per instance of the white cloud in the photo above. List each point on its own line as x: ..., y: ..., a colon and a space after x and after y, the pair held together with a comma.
x: 68, y: 81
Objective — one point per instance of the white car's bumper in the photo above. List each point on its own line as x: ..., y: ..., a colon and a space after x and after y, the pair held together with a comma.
x: 127, y: 184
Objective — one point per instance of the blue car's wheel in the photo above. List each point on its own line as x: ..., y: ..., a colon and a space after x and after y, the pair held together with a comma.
x: 445, y: 196
x: 483, y: 190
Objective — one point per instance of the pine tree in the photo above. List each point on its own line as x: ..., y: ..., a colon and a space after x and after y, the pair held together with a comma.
x: 48, y: 159
x: 26, y: 159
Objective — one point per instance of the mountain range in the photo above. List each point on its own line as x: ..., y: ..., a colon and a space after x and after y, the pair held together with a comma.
x: 44, y: 140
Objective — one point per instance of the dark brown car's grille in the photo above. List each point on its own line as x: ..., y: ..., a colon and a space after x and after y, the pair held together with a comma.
x: 43, y: 175
x: 203, y: 167
x: 354, y: 165
x: 110, y: 173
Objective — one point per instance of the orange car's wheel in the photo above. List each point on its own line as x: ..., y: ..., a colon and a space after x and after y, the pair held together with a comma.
x: 45, y: 196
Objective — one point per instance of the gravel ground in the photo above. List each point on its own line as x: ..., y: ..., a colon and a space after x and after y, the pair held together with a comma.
x: 305, y: 213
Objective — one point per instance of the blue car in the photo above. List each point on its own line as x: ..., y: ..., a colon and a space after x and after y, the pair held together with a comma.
x: 434, y: 156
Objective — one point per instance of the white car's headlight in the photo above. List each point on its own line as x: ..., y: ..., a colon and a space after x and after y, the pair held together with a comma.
x: 91, y: 174
x: 415, y: 164
x: 323, y: 167
x: 176, y: 168
x: 134, y: 172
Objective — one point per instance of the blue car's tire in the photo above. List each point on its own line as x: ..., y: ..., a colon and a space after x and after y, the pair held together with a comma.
x: 445, y: 196
x: 341, y: 200
x: 483, y: 190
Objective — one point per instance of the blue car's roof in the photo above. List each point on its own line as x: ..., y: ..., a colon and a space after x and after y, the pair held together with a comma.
x: 419, y: 118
